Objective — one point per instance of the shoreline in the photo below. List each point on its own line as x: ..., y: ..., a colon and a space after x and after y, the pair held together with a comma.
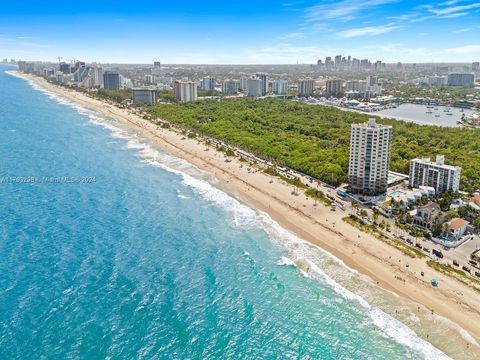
x: 317, y: 225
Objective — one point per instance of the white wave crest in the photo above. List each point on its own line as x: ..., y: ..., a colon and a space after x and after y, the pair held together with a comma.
x: 246, y: 217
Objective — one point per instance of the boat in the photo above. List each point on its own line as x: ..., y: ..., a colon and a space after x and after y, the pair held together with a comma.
x: 437, y: 115
x: 449, y: 113
x: 429, y: 112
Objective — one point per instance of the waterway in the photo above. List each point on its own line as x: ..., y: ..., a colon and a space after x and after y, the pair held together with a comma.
x: 420, y: 114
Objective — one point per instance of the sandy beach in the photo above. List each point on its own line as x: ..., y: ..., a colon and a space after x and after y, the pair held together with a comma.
x: 385, y: 266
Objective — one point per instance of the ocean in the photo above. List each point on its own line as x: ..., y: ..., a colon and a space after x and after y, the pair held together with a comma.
x: 111, y: 249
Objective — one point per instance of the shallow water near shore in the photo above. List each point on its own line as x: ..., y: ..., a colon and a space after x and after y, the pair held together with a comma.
x: 152, y: 261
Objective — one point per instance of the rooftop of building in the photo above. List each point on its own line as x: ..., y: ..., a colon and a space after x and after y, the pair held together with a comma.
x: 430, y: 207
x: 440, y: 162
x: 457, y: 223
x: 372, y: 124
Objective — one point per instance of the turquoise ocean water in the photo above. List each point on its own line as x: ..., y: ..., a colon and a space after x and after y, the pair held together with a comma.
x: 112, y: 249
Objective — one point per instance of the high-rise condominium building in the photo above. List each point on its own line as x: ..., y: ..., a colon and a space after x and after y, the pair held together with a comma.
x: 334, y: 87
x: 264, y: 83
x: 111, y: 80
x: 280, y: 87
x: 461, y: 79
x: 369, y: 158
x: 185, y: 90
x: 144, y: 96
x: 97, y: 75
x: 230, y: 87
x: 306, y: 87
x: 254, y: 87
x: 208, y: 83
x: 424, y: 172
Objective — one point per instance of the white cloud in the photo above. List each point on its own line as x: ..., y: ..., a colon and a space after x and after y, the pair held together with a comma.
x: 341, y: 10
x: 368, y: 31
x: 455, y: 15
x: 465, y: 50
x: 453, y: 9
x: 294, y: 35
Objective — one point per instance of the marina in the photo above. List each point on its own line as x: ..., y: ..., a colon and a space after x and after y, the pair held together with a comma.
x: 427, y: 115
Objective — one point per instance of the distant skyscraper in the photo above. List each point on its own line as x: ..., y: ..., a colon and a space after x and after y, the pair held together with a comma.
x: 461, y: 79
x: 369, y: 158
x: 476, y: 66
x: 264, y: 86
x: 254, y: 87
x: 185, y: 90
x: 306, y: 87
x: 157, y: 69
x: 280, y: 87
x: 334, y: 87
x: 111, y: 80
x: 65, y: 68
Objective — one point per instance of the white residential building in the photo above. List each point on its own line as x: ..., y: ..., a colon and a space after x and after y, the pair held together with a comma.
x: 264, y: 83
x: 185, y: 90
x: 424, y: 172
x: 208, y: 83
x: 230, y: 87
x: 254, y: 87
x: 280, y: 87
x: 306, y: 87
x: 369, y: 158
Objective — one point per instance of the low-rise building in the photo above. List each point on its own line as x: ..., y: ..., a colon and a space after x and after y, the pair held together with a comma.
x: 455, y: 228
x: 427, y: 215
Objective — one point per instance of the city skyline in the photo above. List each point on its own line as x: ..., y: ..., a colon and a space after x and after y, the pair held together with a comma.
x: 246, y: 33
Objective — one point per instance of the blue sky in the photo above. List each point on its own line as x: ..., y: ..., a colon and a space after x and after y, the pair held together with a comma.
x: 240, y: 32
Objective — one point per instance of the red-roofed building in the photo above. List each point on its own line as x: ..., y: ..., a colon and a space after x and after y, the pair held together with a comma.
x: 455, y: 228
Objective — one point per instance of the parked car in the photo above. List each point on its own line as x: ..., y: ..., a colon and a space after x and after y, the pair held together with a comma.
x: 437, y: 253
x: 466, y: 268
x: 455, y: 262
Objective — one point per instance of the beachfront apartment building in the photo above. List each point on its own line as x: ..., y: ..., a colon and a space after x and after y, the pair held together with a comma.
x: 369, y: 158
x: 306, y: 87
x: 111, y: 80
x: 144, y: 96
x: 442, y: 177
x: 185, y: 90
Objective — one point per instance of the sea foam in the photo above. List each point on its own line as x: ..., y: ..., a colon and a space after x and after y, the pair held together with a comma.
x: 244, y: 216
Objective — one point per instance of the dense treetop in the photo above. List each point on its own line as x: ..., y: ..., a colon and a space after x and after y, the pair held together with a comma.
x: 315, y: 139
